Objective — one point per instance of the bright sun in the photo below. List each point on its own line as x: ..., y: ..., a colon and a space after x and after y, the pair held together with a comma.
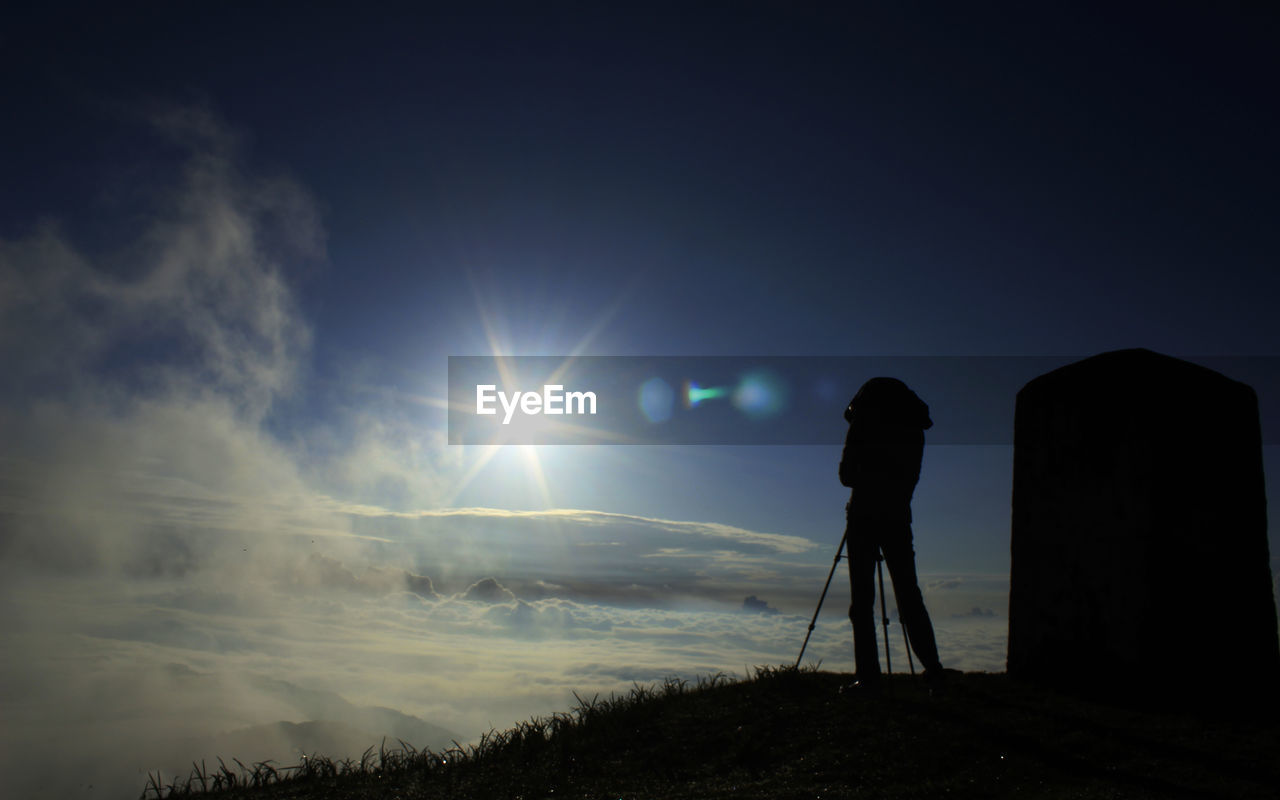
x: 530, y: 456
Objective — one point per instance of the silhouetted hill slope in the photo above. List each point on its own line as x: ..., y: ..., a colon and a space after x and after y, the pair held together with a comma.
x: 320, y: 706
x: 788, y: 734
x: 282, y: 743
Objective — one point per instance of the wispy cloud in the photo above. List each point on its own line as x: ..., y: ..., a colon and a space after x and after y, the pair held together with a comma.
x: 775, y: 542
x: 154, y: 528
x: 172, y: 566
x: 145, y: 510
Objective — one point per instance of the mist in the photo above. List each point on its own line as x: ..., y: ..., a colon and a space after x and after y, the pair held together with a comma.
x: 194, y: 566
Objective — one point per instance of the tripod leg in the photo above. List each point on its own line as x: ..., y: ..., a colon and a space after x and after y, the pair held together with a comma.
x: 884, y: 613
x: 825, y: 587
x: 906, y: 641
x: 906, y: 638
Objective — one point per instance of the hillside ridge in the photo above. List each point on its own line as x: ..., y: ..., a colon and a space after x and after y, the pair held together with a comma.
x: 787, y: 733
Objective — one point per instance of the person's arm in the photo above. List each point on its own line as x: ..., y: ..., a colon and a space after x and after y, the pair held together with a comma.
x: 855, y: 466
x: 846, y: 464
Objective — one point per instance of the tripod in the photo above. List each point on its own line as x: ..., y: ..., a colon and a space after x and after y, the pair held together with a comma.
x: 884, y: 609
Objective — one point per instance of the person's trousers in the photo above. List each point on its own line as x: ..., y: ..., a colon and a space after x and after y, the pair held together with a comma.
x: 865, y: 537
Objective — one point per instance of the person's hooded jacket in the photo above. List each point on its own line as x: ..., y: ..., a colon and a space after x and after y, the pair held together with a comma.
x: 884, y: 448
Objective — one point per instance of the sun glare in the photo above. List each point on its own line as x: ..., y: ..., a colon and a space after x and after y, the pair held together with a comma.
x: 530, y: 455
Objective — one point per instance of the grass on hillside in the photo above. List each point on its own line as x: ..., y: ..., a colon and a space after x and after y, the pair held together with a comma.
x: 787, y: 733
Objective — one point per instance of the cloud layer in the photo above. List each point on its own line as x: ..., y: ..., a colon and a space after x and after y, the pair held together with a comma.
x: 185, y: 554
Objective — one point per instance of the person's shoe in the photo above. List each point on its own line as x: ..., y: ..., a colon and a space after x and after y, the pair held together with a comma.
x: 941, y: 674
x: 936, y: 679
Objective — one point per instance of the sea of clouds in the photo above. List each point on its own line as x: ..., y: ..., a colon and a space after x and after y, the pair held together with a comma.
x: 176, y: 568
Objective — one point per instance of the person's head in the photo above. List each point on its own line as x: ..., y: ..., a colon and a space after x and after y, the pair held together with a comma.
x: 889, y: 400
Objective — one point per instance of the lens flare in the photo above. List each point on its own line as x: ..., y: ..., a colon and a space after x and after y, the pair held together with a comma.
x: 760, y: 394
x: 694, y: 394
x: 657, y: 400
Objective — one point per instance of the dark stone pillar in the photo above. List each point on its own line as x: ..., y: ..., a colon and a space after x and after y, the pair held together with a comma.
x: 1140, y: 565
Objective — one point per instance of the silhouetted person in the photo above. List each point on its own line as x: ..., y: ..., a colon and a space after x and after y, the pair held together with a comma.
x: 881, y: 464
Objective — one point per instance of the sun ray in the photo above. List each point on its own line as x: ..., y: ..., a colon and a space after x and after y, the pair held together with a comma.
x: 601, y: 322
x: 487, y: 453
x: 499, y: 350
x: 530, y: 453
x: 496, y: 348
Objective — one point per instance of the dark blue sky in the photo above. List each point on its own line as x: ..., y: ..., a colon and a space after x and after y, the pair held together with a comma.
x: 699, y: 179
x: 921, y: 179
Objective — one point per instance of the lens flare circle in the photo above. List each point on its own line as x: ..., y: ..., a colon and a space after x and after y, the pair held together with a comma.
x: 761, y: 394
x: 656, y: 399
